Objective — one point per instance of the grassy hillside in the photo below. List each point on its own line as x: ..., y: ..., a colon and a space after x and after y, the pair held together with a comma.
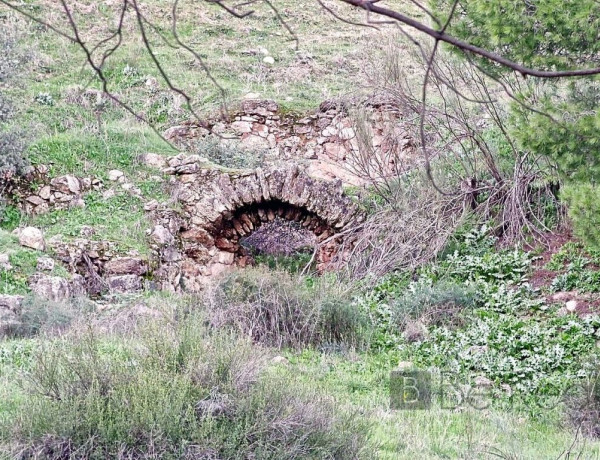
x: 269, y: 363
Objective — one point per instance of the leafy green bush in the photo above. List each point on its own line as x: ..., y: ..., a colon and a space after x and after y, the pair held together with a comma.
x: 475, y: 260
x: 44, y: 316
x: 533, y: 355
x: 421, y: 304
x: 179, y: 391
x: 281, y: 310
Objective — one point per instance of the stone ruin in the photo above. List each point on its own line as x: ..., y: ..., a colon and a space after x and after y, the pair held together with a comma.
x: 327, y: 141
x: 219, y: 208
x: 199, y: 233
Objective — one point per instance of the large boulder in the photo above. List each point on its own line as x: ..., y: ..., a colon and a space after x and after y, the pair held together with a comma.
x: 51, y: 288
x: 33, y: 238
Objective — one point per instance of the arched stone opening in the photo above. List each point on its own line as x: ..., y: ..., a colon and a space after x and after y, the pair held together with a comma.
x: 219, y: 208
x: 233, y: 227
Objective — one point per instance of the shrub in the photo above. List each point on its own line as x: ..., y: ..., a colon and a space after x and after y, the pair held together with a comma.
x: 537, y: 356
x: 12, y: 159
x: 280, y: 310
x: 179, y: 391
x: 583, y: 402
x: 229, y: 155
x: 433, y: 304
x: 10, y: 216
x: 40, y: 316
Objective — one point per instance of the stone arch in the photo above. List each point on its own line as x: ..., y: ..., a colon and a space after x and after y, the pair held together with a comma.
x: 232, y: 227
x: 220, y: 207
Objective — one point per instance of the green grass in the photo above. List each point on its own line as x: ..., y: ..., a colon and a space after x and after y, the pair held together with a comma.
x: 89, y: 154
x: 357, y: 382
x: 24, y: 262
x: 120, y: 219
x: 361, y: 381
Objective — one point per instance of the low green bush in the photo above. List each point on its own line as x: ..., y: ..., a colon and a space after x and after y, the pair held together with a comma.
x: 178, y: 391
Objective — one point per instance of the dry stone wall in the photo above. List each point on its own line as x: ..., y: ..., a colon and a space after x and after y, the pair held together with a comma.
x: 327, y: 140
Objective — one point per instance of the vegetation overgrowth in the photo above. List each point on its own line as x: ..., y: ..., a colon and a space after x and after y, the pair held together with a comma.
x: 454, y: 272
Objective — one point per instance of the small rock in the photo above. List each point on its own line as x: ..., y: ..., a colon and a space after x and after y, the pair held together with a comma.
x: 33, y: 238
x: 225, y: 258
x: 161, y: 235
x: 153, y: 160
x: 5, y: 262
x: 259, y: 107
x: 171, y: 254
x: 45, y: 264
x: 571, y: 306
x: 78, y: 286
x: 125, y: 283
x: 347, y: 134
x: 269, y: 60
x: 51, y: 288
x: 86, y: 231
x: 66, y: 184
x: 151, y: 205
x: 126, y: 266
x: 176, y: 131
x: 329, y: 131
x: 44, y: 192
x: 405, y: 366
x: 253, y: 142
x: 241, y: 127
x: 280, y: 360
x: 151, y: 83
x: 35, y: 200
x: 115, y: 175
x: 252, y: 96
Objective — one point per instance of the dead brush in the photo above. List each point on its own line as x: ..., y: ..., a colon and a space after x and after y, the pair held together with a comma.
x: 280, y: 310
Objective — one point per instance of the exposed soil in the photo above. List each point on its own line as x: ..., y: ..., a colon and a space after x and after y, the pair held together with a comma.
x: 541, y: 278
